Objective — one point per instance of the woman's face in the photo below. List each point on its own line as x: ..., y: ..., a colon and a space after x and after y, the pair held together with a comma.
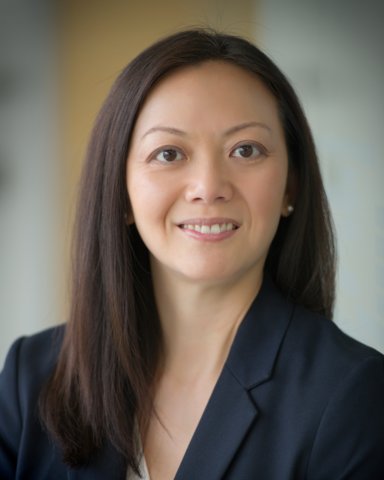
x: 208, y: 153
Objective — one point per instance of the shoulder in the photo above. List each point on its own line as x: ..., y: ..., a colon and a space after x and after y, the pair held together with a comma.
x: 316, y: 340
x: 29, y: 363
x: 346, y: 379
x: 32, y: 359
x: 327, y: 367
x: 336, y: 384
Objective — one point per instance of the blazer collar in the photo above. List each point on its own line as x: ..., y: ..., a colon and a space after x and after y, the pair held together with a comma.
x: 258, y: 339
x: 231, y: 411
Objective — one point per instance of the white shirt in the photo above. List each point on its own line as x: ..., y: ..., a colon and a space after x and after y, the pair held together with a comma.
x: 143, y: 469
x: 143, y: 465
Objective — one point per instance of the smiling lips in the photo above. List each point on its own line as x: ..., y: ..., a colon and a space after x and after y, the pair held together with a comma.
x: 209, y: 229
x: 206, y: 229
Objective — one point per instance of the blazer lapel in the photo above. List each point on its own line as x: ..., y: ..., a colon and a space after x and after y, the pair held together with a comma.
x: 231, y: 411
x: 227, y: 418
x: 258, y: 339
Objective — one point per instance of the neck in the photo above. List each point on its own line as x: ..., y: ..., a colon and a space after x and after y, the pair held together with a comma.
x: 199, y: 321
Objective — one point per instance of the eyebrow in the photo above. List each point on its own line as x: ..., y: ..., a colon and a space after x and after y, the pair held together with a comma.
x: 174, y: 131
x: 231, y: 131
x: 247, y: 125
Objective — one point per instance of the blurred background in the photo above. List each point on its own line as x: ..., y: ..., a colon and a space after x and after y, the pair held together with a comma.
x: 58, y: 59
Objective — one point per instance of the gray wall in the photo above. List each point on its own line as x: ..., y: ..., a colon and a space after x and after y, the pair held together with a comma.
x: 333, y: 53
x: 29, y: 170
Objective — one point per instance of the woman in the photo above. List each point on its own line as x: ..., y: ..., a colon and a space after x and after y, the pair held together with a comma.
x: 197, y: 345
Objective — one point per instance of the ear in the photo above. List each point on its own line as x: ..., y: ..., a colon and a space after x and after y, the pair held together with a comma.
x: 290, y: 195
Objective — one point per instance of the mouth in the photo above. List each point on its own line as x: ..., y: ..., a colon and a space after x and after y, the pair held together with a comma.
x: 208, y: 226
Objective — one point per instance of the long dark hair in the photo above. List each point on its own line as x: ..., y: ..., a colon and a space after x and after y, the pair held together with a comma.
x: 112, y: 343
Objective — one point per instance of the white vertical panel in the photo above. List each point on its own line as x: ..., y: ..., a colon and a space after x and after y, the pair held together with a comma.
x: 29, y: 176
x: 333, y: 53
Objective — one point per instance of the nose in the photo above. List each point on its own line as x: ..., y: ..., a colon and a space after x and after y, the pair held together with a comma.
x: 209, y: 183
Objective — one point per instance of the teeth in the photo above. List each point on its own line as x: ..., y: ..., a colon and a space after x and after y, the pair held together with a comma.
x: 213, y: 229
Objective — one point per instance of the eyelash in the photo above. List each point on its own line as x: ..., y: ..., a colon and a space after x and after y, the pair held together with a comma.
x: 258, y: 147
x: 164, y: 149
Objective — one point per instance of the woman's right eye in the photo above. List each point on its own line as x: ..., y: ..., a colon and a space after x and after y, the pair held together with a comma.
x: 168, y: 156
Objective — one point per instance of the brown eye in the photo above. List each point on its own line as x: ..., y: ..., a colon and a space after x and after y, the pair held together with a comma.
x: 168, y: 155
x: 247, y: 151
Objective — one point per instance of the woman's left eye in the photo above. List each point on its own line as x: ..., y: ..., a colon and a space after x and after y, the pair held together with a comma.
x: 247, y: 151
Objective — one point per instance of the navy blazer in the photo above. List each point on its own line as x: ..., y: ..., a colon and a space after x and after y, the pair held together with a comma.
x: 296, y: 399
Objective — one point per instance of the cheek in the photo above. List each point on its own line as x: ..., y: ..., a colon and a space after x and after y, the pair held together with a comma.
x: 266, y: 193
x: 150, y: 196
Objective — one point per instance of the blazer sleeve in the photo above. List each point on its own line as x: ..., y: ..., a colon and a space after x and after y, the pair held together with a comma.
x: 10, y: 414
x: 349, y: 443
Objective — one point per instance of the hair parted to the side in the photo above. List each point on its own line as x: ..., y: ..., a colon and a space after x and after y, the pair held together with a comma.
x: 112, y: 343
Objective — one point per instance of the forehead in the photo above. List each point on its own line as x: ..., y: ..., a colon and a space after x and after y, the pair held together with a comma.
x: 213, y: 95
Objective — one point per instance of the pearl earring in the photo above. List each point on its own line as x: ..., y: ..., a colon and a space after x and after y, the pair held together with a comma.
x: 290, y: 208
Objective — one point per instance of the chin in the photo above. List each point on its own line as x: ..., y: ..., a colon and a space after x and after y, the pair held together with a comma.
x: 211, y: 275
